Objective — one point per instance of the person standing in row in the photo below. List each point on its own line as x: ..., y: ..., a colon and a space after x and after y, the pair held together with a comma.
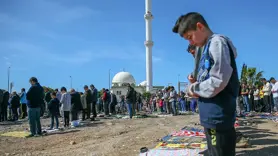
x: 15, y: 104
x: 94, y: 92
x: 274, y: 91
x: 47, y: 99
x: 35, y: 99
x: 105, y: 99
x: 89, y: 100
x: 84, y: 105
x: 76, y: 105
x: 23, y: 102
x: 267, y: 98
x: 4, y: 105
x: 53, y: 108
x: 129, y: 100
x: 65, y: 106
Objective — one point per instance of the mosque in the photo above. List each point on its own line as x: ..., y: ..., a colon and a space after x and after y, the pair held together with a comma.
x: 120, y: 81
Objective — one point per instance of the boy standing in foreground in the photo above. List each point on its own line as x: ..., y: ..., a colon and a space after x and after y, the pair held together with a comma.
x: 216, y: 84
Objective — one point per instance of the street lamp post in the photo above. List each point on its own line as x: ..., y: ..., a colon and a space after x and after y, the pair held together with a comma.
x: 109, y: 77
x: 9, y: 79
x: 179, y: 88
x: 70, y: 82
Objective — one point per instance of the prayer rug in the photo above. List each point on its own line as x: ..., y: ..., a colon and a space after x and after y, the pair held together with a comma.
x: 17, y: 134
x: 179, y: 152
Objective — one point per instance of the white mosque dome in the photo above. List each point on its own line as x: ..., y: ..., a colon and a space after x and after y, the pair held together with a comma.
x: 144, y: 84
x: 123, y: 78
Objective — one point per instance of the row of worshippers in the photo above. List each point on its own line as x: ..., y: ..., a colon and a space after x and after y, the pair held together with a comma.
x: 12, y: 106
x: 168, y: 101
x: 258, y: 98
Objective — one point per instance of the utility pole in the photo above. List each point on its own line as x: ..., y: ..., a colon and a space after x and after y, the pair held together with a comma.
x: 109, y: 79
x: 179, y: 86
x: 9, y: 79
x: 70, y: 82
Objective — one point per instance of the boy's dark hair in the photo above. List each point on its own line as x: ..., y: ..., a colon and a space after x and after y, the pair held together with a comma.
x: 191, y: 47
x: 23, y: 89
x: 188, y: 22
x: 33, y: 79
x: 53, y: 94
x: 64, y: 89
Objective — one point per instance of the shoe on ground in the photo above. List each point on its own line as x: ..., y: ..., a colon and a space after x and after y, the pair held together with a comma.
x: 30, y: 135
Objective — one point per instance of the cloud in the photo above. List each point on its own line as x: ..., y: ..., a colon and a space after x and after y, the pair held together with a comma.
x: 61, y: 13
x: 36, y: 53
x: 156, y: 59
x: 33, y: 52
x: 46, y: 14
x: 7, y: 61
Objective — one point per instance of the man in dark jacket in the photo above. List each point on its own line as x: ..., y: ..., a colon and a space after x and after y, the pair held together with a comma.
x: 113, y: 103
x: 35, y: 98
x: 130, y: 100
x: 76, y: 105
x: 47, y: 99
x: 4, y: 106
x: 94, y: 99
x: 89, y: 100
x: 15, y: 103
x: 53, y: 107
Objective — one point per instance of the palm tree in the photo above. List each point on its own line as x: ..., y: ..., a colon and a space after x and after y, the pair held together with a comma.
x: 251, y: 76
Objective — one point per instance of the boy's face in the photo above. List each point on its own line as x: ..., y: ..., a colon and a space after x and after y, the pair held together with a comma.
x: 52, y: 96
x: 196, y: 37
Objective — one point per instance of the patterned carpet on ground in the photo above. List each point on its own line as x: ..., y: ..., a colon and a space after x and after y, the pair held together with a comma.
x: 17, y: 134
x: 188, y: 141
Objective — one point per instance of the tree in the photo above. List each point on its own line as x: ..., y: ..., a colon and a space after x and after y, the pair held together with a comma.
x: 50, y: 89
x: 100, y: 93
x: 146, y: 95
x: 251, y: 76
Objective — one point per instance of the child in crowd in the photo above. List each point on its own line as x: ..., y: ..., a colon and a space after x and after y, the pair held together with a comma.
x: 257, y: 99
x: 161, y: 101
x: 216, y: 84
x: 53, y: 107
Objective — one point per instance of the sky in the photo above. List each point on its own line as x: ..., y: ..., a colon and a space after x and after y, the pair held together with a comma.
x: 55, y: 39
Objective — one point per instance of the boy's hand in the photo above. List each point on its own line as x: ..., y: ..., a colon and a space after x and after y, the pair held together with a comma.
x: 191, y: 93
x: 191, y: 79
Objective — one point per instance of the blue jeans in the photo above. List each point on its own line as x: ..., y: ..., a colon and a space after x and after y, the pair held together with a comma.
x: 193, y: 105
x: 140, y: 106
x: 34, y: 120
x: 129, y: 109
x: 182, y: 103
x: 52, y: 121
x: 275, y: 101
x: 174, y: 107
x: 246, y: 103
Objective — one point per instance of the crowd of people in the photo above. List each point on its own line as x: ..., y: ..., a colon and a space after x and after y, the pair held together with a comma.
x: 258, y: 98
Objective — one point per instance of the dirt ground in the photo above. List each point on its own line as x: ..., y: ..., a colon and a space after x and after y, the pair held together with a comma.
x: 124, y: 137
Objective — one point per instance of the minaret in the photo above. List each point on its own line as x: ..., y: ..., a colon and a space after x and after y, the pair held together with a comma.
x: 149, y: 43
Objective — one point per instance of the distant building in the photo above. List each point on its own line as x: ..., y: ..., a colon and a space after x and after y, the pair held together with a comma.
x: 120, y: 81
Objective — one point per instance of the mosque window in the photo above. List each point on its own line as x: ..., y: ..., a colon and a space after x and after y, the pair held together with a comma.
x: 119, y: 93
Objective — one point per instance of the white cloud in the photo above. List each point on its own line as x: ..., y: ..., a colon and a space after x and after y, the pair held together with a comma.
x: 53, y: 11
x: 33, y: 52
x: 156, y: 59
